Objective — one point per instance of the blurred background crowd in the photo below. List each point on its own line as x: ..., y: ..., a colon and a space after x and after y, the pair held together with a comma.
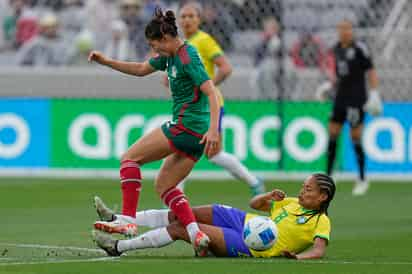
x: 62, y: 33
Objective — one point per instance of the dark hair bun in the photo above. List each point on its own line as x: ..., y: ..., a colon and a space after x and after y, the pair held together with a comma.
x: 161, y: 24
x: 170, y: 17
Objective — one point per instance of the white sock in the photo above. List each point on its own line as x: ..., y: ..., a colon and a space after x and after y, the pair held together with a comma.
x: 152, y: 239
x: 192, y: 230
x: 234, y: 166
x: 181, y: 185
x: 153, y: 218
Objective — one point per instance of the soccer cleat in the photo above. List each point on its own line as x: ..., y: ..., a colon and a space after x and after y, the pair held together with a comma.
x: 105, y: 213
x: 106, y: 242
x: 360, y: 188
x: 117, y: 226
x: 201, y: 244
x: 257, y: 189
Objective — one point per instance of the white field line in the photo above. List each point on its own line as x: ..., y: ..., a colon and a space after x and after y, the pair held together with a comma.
x: 73, y: 248
x: 60, y: 261
x: 270, y: 261
x: 165, y: 260
x: 205, y: 175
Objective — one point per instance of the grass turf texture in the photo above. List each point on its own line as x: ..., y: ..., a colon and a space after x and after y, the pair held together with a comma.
x: 46, y: 224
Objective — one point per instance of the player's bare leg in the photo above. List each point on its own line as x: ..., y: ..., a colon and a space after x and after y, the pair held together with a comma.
x: 361, y: 185
x: 159, y: 238
x: 151, y: 147
x: 175, y: 168
x: 334, y: 131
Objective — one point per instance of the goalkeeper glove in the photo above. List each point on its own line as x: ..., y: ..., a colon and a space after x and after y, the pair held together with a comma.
x: 323, y: 90
x: 374, y: 104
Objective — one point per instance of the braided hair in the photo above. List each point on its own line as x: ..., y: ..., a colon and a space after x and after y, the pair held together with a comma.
x: 161, y: 24
x: 327, y: 186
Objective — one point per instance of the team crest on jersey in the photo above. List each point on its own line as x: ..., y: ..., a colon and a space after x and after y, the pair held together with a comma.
x: 173, y: 72
x: 350, y: 53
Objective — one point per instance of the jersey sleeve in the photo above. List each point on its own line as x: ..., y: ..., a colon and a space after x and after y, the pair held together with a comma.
x: 323, y: 228
x: 196, y: 70
x: 278, y: 204
x: 365, y: 55
x: 158, y: 62
x: 212, y: 48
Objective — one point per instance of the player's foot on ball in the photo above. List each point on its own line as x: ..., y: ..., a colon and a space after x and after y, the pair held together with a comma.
x: 105, y: 213
x: 201, y: 244
x: 106, y: 242
x: 360, y: 188
x: 117, y: 226
x: 259, y: 188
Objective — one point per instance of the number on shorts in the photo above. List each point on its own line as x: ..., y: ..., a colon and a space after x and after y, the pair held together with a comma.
x: 353, y: 116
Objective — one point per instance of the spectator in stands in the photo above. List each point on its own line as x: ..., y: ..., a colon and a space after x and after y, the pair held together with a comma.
x: 309, y: 52
x: 131, y: 13
x: 3, y: 9
x: 218, y: 22
x: 15, y: 35
x: 82, y: 46
x: 265, y: 59
x: 118, y: 47
x: 72, y: 18
x: 46, y: 49
x: 100, y: 14
x: 254, y: 12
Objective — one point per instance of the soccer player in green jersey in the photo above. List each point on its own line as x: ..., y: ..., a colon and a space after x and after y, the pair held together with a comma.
x: 182, y: 141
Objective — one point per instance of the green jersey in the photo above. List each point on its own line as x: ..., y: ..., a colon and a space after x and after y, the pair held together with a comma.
x: 186, y: 74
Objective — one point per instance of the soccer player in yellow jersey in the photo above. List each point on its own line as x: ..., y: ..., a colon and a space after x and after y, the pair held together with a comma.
x: 303, y: 225
x: 213, y: 57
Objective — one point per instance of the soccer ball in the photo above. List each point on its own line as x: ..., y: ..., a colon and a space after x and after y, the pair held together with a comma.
x: 260, y: 233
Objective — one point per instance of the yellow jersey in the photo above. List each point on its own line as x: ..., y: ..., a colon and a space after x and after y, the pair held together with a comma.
x: 297, y: 227
x: 208, y: 50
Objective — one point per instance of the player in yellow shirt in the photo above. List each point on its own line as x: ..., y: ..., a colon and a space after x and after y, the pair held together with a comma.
x: 303, y: 225
x: 213, y: 57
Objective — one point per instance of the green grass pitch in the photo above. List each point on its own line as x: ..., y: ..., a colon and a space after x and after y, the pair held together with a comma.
x: 45, y: 228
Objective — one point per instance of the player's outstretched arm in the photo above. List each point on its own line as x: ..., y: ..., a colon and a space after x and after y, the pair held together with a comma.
x: 132, y: 68
x: 263, y: 202
x: 317, y: 251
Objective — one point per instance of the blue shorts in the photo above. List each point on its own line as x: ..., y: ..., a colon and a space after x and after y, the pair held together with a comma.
x: 231, y: 221
x: 221, y: 114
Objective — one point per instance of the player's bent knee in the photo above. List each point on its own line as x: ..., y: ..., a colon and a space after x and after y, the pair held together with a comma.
x: 177, y: 231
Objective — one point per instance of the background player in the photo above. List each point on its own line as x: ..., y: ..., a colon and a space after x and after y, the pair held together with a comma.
x: 181, y: 141
x: 212, y: 55
x: 302, y: 223
x: 352, y: 61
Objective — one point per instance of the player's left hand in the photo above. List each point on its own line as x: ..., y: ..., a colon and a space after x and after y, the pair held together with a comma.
x: 211, y: 139
x: 374, y: 104
x: 289, y: 255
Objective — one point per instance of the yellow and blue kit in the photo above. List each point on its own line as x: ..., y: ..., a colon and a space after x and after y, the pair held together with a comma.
x: 297, y: 228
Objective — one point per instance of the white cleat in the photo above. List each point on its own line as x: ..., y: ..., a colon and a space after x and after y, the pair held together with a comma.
x: 106, y: 242
x: 105, y: 213
x: 117, y: 226
x: 360, y: 188
x: 201, y: 244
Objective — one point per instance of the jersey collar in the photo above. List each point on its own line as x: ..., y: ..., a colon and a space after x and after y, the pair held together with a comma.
x: 193, y: 35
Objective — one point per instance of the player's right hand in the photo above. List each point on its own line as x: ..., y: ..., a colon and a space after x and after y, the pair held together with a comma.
x: 97, y: 57
x: 277, y: 195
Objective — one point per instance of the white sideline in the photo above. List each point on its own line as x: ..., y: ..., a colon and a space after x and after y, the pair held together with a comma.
x: 74, y: 248
x: 99, y: 259
x: 62, y: 261
x: 210, y: 175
